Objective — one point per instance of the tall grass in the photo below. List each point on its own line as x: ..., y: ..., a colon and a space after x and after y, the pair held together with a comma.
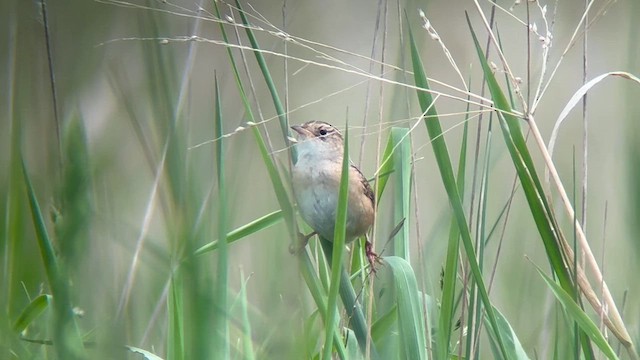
x: 149, y: 214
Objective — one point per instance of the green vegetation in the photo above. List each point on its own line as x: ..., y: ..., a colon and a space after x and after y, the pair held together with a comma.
x: 147, y: 210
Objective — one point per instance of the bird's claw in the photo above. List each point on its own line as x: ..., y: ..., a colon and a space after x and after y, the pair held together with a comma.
x: 372, y: 257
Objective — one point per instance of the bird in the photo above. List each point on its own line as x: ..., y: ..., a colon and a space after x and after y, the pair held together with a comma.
x: 316, y: 179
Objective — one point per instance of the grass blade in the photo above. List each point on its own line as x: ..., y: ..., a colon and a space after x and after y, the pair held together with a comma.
x: 284, y: 123
x: 410, y: 316
x: 347, y: 293
x: 531, y: 186
x: 511, y: 342
x: 243, y: 231
x: 221, y: 309
x: 31, y: 312
x: 446, y: 172
x: 578, y: 315
x: 338, y: 250
x: 402, y: 173
x: 76, y: 207
x: 67, y: 339
x: 449, y: 277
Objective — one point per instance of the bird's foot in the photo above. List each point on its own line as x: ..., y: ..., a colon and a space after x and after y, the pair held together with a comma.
x: 372, y: 257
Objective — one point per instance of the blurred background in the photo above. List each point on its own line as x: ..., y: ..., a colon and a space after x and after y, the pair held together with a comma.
x: 135, y: 190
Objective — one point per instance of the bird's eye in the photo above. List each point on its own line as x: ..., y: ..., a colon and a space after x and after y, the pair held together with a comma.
x: 323, y: 132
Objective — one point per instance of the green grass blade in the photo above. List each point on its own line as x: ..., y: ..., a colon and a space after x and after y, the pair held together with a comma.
x: 282, y: 116
x: 384, y: 324
x: 317, y: 292
x: 274, y: 175
x: 347, y: 292
x: 47, y: 252
x: 446, y: 172
x: 578, y: 315
x: 353, y: 351
x: 525, y: 168
x: 247, y: 341
x: 31, y: 312
x: 410, y: 316
x: 175, y: 336
x: 386, y: 167
x: 449, y: 277
x: 402, y: 173
x: 244, y: 231
x: 76, y: 207
x: 531, y: 184
x: 338, y: 250
x: 221, y: 345
x: 511, y: 342
x: 67, y: 339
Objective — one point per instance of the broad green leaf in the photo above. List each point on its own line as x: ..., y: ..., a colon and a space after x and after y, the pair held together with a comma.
x: 411, y: 321
x: 511, y: 342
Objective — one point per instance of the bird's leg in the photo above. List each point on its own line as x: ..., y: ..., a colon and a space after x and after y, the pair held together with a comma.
x: 296, y: 247
x: 372, y: 257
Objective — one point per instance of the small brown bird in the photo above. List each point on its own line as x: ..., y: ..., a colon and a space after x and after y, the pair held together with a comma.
x: 316, y: 184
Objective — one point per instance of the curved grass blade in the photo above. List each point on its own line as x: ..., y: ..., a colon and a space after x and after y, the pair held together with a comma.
x: 383, y: 325
x: 579, y: 316
x: 446, y: 172
x: 411, y: 320
x: 511, y: 342
x: 31, y: 312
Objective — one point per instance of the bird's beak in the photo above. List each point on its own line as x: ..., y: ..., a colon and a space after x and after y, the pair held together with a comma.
x: 301, y: 132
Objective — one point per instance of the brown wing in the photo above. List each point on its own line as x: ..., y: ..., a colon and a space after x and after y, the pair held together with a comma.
x: 367, y: 188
